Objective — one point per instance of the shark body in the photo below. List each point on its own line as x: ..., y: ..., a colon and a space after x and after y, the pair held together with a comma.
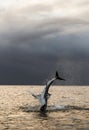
x: 44, y: 96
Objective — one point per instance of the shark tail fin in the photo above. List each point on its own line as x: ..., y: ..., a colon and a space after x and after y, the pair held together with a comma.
x: 57, y: 76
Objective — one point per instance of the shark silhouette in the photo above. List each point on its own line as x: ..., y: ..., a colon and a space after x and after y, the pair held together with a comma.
x: 44, y: 96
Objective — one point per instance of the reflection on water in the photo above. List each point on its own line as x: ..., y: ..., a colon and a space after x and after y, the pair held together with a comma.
x: 57, y: 118
x: 20, y: 111
x: 42, y: 115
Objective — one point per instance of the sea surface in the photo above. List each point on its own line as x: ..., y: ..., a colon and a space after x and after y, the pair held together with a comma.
x: 68, y: 108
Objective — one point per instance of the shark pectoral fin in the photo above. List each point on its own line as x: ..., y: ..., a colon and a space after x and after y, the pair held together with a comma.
x: 35, y: 96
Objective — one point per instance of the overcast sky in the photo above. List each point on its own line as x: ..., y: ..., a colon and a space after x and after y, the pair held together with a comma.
x: 38, y: 37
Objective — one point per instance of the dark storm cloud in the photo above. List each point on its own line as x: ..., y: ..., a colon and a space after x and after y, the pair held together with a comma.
x: 38, y: 39
x: 17, y: 67
x: 36, y: 64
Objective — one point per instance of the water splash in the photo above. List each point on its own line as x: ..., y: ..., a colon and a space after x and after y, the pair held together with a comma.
x: 52, y: 108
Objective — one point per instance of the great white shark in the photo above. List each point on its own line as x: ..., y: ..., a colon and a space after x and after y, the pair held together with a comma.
x: 44, y: 96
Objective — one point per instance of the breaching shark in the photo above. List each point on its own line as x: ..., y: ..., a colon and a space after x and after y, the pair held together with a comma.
x: 44, y: 96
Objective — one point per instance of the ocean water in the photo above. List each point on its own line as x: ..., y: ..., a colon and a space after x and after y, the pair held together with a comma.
x: 57, y: 118
x: 68, y: 109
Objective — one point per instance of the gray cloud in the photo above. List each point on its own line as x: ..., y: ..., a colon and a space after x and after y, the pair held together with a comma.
x: 36, y: 63
x: 36, y: 40
x: 32, y: 16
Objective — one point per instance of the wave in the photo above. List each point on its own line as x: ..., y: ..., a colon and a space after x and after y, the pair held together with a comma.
x: 52, y: 108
